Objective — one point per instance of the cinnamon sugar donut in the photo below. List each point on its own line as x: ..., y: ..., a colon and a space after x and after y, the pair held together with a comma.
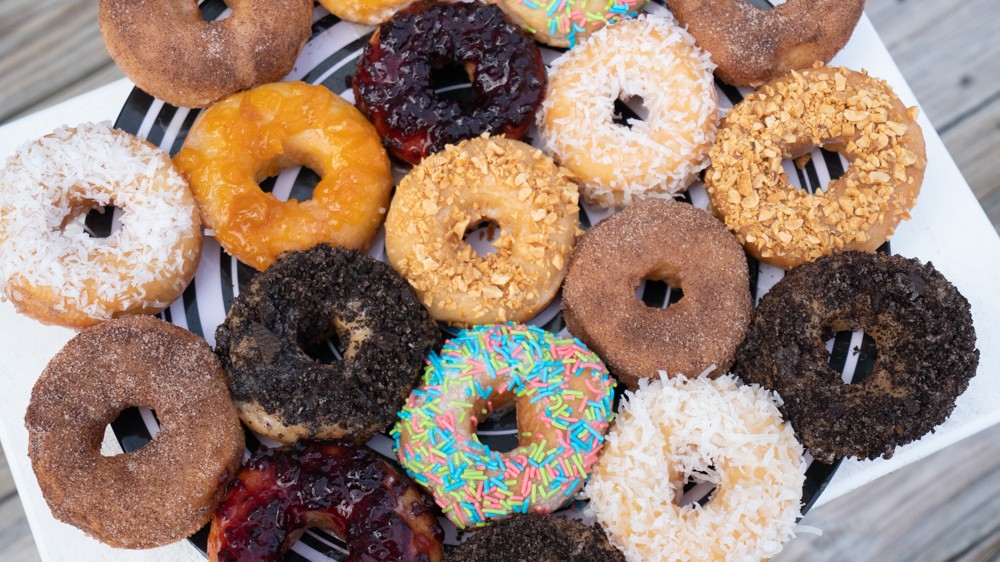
x: 171, y: 52
x: 667, y: 241
x: 751, y: 45
x: 169, y: 488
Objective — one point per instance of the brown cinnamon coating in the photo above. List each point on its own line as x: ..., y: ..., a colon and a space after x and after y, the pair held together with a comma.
x: 926, y: 354
x: 752, y: 46
x: 667, y: 241
x: 169, y: 51
x: 538, y: 538
x: 169, y: 488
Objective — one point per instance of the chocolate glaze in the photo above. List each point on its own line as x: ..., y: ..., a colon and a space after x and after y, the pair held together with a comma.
x: 538, y: 538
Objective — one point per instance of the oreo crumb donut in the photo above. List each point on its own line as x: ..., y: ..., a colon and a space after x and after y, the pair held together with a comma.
x: 667, y: 241
x: 752, y: 46
x: 538, y: 538
x: 393, y: 87
x: 165, y: 490
x: 926, y: 354
x: 337, y: 485
x: 293, y: 308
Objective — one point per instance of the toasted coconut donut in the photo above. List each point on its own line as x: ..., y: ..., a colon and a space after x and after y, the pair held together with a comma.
x: 563, y: 396
x: 169, y: 50
x: 708, y: 430
x: 290, y: 310
x: 169, y: 488
x: 837, y: 108
x: 52, y: 270
x: 248, y: 137
x: 926, y: 352
x: 370, y: 12
x: 336, y: 485
x: 652, y: 58
x: 538, y: 538
x: 666, y: 241
x: 752, y: 46
x: 484, y: 179
x: 574, y: 20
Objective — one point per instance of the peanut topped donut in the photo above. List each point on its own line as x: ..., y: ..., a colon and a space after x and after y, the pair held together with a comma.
x: 752, y: 46
x: 666, y: 241
x: 485, y: 179
x: 169, y: 50
x: 837, y: 108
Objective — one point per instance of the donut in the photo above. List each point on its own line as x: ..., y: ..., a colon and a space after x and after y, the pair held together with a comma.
x: 538, y: 538
x: 169, y: 51
x: 675, y: 430
x: 752, y: 46
x: 247, y: 137
x: 926, y: 354
x: 840, y: 109
x: 652, y: 59
x: 336, y: 485
x: 562, y: 393
x: 284, y: 317
x: 369, y: 12
x: 393, y: 85
x: 485, y: 179
x: 666, y: 241
x: 54, y: 271
x: 165, y: 490
x: 570, y: 22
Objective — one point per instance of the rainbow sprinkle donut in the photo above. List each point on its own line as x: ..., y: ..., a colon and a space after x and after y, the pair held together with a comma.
x: 563, y: 395
x: 564, y: 23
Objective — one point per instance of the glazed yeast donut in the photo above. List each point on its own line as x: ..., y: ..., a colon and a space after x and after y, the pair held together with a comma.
x: 660, y: 156
x: 538, y: 538
x: 926, y: 353
x: 484, y: 179
x: 371, y: 12
x: 346, y: 488
x: 666, y: 241
x: 240, y: 141
x: 752, y: 46
x: 840, y: 109
x: 52, y: 270
x: 569, y: 22
x: 169, y: 50
x: 709, y: 430
x: 169, y: 488
x: 563, y: 397
x: 289, y: 312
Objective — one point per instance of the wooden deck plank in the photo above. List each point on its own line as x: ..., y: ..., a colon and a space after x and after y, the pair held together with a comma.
x: 974, y: 144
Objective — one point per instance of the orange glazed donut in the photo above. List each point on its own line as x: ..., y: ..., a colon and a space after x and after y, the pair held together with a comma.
x: 752, y: 46
x: 369, y: 12
x: 171, y: 52
x: 840, y: 109
x: 248, y: 137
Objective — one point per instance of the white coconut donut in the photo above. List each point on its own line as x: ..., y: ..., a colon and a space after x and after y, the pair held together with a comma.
x: 52, y: 269
x: 651, y: 58
x: 719, y: 431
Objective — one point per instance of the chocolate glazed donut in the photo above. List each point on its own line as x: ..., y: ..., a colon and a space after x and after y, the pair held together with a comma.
x: 296, y: 305
x: 926, y: 354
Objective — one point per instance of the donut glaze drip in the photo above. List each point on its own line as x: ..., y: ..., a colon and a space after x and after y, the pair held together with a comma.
x: 393, y: 83
x: 345, y: 488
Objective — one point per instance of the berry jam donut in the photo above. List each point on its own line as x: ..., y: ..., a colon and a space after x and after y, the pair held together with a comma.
x: 666, y: 241
x: 393, y: 84
x: 843, y: 110
x: 752, y: 46
x: 52, y: 269
x: 165, y: 490
x: 649, y: 57
x: 291, y: 310
x: 538, y: 538
x: 571, y: 21
x: 485, y: 179
x: 346, y: 488
x: 247, y: 137
x: 168, y: 49
x: 926, y: 354
x: 562, y: 393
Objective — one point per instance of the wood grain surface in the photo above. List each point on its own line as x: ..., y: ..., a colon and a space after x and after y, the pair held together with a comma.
x: 943, y: 508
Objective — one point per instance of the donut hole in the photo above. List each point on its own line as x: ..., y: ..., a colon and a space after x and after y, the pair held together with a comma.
x: 765, y: 5
x: 660, y: 288
x: 453, y: 81
x: 498, y: 430
x: 133, y: 428
x: 480, y: 236
x: 697, y: 488
x: 214, y: 11
x: 291, y: 182
x: 813, y: 168
x: 327, y: 345
x: 852, y: 353
x: 629, y: 110
x: 94, y: 221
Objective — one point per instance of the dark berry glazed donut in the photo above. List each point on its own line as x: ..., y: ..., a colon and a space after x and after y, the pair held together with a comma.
x: 393, y: 88
x: 926, y: 352
x: 346, y: 488
x: 292, y: 309
x: 539, y: 538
